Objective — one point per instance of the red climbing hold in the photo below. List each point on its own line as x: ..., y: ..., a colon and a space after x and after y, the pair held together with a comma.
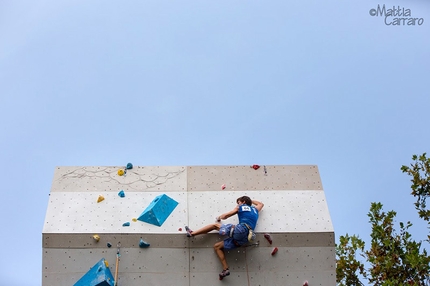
x: 180, y: 229
x: 305, y: 283
x: 255, y: 167
x: 274, y: 250
x: 267, y: 236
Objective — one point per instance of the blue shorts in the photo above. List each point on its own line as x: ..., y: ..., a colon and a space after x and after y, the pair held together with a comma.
x: 239, y: 237
x: 225, y: 229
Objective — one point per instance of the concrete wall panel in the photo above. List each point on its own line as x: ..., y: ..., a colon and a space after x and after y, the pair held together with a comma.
x: 284, y: 211
x: 241, y: 178
x: 100, y: 179
x: 79, y: 212
x: 128, y: 240
x: 291, y: 259
x: 145, y: 264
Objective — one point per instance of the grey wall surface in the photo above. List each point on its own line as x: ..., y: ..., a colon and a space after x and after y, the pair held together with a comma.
x: 295, y: 214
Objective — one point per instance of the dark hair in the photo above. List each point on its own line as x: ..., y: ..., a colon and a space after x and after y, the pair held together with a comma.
x: 245, y: 199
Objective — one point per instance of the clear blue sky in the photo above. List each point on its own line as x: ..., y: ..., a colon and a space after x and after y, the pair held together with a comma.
x: 209, y: 83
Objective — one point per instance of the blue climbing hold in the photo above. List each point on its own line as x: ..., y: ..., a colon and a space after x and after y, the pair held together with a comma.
x: 98, y: 275
x: 126, y: 224
x: 108, y: 245
x: 143, y: 244
x: 129, y: 166
x: 158, y: 210
x: 121, y: 194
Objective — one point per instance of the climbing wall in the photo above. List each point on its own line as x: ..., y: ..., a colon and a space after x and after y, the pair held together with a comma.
x: 92, y: 213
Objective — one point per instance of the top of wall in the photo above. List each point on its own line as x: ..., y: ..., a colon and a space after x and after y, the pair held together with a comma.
x: 182, y: 178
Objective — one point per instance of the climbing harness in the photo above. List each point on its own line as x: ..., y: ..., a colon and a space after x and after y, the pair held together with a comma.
x: 117, y: 262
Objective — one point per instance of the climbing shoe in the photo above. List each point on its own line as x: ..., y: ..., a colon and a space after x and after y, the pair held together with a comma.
x: 189, y: 231
x: 224, y: 273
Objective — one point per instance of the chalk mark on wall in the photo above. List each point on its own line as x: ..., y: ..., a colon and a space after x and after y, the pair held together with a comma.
x: 134, y: 179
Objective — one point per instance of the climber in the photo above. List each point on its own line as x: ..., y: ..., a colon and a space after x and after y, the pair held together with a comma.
x: 247, y: 211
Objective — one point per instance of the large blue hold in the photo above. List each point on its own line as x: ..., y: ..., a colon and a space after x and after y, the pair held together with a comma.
x: 98, y: 275
x: 158, y: 210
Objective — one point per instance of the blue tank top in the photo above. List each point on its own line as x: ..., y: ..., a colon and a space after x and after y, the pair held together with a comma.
x: 248, y: 214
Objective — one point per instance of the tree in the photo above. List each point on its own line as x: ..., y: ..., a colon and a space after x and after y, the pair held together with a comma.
x: 420, y: 173
x: 393, y: 258
x: 347, y: 263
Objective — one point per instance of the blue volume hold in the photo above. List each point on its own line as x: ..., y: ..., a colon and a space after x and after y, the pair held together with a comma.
x: 158, y: 210
x: 98, y: 275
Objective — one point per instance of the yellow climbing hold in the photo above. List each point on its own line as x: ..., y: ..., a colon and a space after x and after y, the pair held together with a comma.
x: 96, y: 237
x: 106, y: 263
x: 120, y: 172
x: 101, y: 198
x: 134, y: 219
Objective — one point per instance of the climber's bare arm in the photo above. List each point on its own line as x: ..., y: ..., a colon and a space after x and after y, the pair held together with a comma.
x: 230, y: 213
x: 258, y: 205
